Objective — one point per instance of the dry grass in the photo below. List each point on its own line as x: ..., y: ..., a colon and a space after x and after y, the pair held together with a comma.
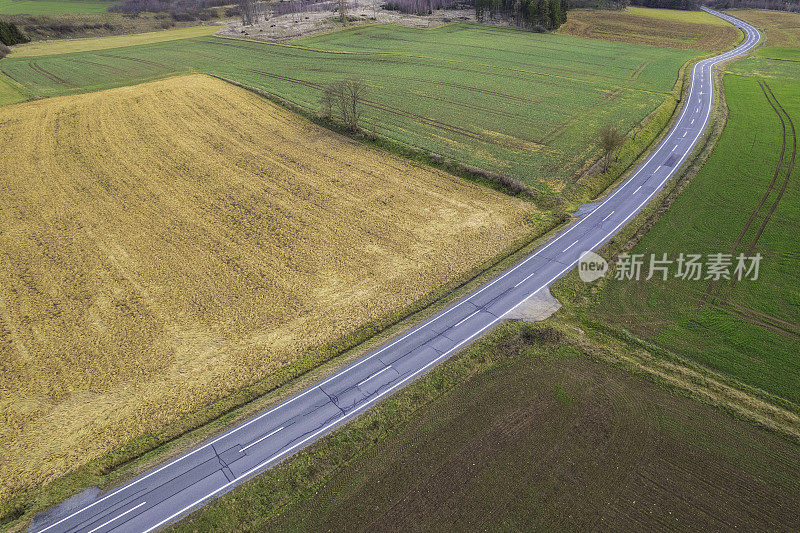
x: 165, y: 244
x: 679, y: 15
x: 638, y: 29
x: 781, y: 28
x: 68, y: 46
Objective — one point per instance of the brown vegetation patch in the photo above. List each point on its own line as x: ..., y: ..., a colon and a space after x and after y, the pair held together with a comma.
x: 781, y: 28
x: 627, y: 28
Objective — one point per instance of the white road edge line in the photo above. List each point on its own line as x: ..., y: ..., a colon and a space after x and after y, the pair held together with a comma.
x: 701, y: 64
x: 268, y: 435
x: 376, y: 374
x: 104, y: 524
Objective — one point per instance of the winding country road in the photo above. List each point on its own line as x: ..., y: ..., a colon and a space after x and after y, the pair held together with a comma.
x: 175, y: 489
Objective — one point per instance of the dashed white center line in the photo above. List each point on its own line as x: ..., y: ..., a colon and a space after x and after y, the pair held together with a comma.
x: 379, y: 372
x: 268, y: 435
x: 692, y: 121
x: 608, y: 215
x: 464, y: 320
x: 570, y: 246
x: 524, y: 280
x: 684, y: 133
x: 104, y: 524
x: 637, y: 189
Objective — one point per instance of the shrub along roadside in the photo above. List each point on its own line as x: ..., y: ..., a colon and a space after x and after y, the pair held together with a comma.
x: 593, y: 183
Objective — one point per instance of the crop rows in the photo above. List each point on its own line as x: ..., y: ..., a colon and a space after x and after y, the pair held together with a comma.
x: 499, y: 106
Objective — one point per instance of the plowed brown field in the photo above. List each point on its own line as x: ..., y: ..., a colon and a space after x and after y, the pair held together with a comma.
x: 162, y: 245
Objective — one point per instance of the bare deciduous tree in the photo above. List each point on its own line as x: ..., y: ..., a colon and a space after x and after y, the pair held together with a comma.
x: 610, y: 141
x: 250, y: 11
x: 343, y: 11
x: 328, y: 99
x: 353, y: 91
x: 346, y: 96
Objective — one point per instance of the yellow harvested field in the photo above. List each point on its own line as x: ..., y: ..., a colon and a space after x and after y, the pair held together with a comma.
x: 66, y: 46
x: 165, y: 244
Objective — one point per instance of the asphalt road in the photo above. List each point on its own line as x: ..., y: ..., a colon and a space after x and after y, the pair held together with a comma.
x: 175, y: 489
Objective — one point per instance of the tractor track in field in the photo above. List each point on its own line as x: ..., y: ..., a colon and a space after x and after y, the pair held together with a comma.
x: 96, y: 64
x: 9, y: 76
x: 775, y: 104
x: 748, y: 314
x: 136, y: 59
x: 789, y: 169
x: 453, y: 85
x: 391, y: 109
x: 442, y: 63
x: 49, y: 75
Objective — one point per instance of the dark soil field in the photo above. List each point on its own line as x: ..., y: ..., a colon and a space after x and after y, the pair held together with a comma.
x: 543, y: 439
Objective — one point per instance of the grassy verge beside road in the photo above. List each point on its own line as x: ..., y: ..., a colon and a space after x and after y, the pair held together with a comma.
x: 744, y: 200
x: 512, y: 431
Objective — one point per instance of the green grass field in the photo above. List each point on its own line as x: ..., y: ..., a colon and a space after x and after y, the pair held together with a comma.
x: 43, y: 7
x: 539, y: 438
x: 751, y: 329
x: 490, y: 97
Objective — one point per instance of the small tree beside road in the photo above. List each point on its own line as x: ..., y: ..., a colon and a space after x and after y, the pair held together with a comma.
x: 610, y: 141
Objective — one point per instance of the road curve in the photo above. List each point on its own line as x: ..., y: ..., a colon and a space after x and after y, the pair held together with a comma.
x: 175, y: 489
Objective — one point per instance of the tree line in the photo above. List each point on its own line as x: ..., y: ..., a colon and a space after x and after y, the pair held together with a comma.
x: 688, y: 5
x: 533, y: 14
x: 10, y: 35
